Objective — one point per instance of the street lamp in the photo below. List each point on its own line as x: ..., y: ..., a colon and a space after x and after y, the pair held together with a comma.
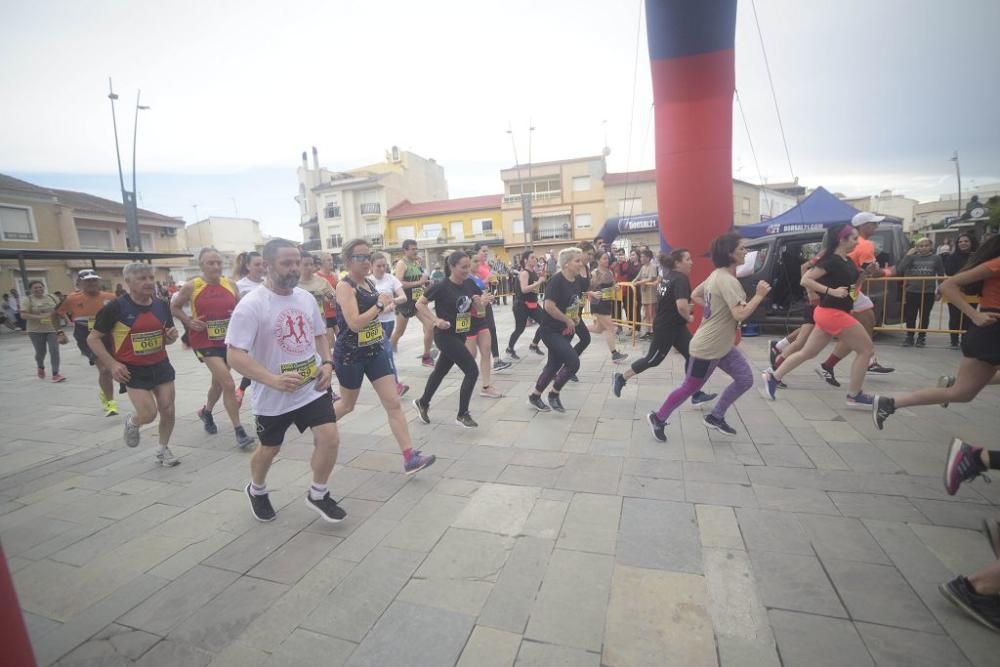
x: 958, y: 175
x: 133, y: 239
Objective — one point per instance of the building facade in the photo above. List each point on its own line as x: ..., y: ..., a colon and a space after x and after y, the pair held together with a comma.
x: 224, y: 234
x: 439, y: 227
x: 887, y: 203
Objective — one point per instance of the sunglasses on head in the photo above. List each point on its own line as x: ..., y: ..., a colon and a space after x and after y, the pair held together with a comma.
x: 361, y: 258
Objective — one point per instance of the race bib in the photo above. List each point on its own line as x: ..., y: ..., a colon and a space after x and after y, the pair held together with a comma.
x: 417, y: 293
x: 573, y: 313
x: 217, y: 329
x: 463, y: 323
x: 371, y: 334
x: 90, y: 323
x: 608, y: 294
x: 306, y: 369
x: 147, y: 342
x: 852, y: 292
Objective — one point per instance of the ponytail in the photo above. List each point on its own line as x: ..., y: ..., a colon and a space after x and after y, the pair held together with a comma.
x: 669, y: 262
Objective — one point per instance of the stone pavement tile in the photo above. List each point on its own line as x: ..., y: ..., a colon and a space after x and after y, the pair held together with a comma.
x: 915, y: 458
x: 295, y: 557
x: 637, y: 486
x: 557, y: 494
x: 894, y: 647
x: 791, y: 581
x: 46, y: 536
x: 871, y: 506
x: 459, y: 595
x: 239, y: 655
x: 512, y: 598
x: 377, y: 461
x: 414, y: 635
x: 406, y: 498
x: 657, y: 618
x: 644, y: 447
x: 358, y: 512
x: 842, y: 537
x: 726, y: 473
x: 362, y: 540
x: 546, y: 519
x: 842, y: 432
x: 799, y: 478
x: 566, y: 612
x: 475, y: 471
x: 717, y: 527
x: 250, y: 548
x: 824, y: 456
x: 712, y: 493
x: 794, y: 500
x: 219, y: 622
x: 426, y: 523
x: 38, y: 625
x: 115, y: 644
x: 817, y: 641
x: 538, y: 654
x: 955, y: 514
x: 528, y: 457
x: 590, y: 474
x: 658, y: 535
x: 961, y: 551
x: 498, y: 508
x: 528, y: 476
x: 358, y: 601
x: 736, y: 652
x: 191, y: 555
x: 311, y: 648
x: 120, y: 532
x: 175, y: 602
x: 787, y: 455
x: 864, y: 457
x: 381, y: 486
x: 346, y: 479
x: 591, y: 523
x: 879, y: 594
x: 978, y: 643
x: 171, y: 653
x: 908, y: 553
x: 488, y: 647
x: 456, y: 487
x: 467, y: 554
x: 733, y: 603
x: 654, y: 468
x: 770, y: 530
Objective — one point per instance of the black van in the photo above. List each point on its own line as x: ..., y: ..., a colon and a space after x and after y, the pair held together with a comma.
x: 777, y: 258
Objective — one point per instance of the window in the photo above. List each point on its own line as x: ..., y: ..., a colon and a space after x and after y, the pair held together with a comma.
x: 457, y: 230
x: 146, y: 239
x: 95, y: 239
x: 336, y: 241
x: 482, y: 226
x: 430, y: 232
x: 332, y: 210
x: 629, y: 206
x: 519, y: 226
x: 544, y: 185
x: 553, y: 227
x: 17, y: 224
x: 583, y: 220
x: 581, y: 183
x: 745, y: 207
x: 403, y: 233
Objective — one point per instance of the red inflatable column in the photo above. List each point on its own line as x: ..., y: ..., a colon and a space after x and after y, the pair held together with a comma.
x: 15, y: 649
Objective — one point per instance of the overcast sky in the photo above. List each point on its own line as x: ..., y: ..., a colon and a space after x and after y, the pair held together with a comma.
x: 873, y: 94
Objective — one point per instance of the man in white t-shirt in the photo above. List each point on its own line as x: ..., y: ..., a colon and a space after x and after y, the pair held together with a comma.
x: 277, y: 338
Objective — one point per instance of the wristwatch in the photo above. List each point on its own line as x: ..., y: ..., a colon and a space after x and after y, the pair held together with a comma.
x: 327, y: 363
x: 380, y: 306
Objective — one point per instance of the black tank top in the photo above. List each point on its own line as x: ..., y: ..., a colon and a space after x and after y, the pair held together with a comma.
x: 528, y: 297
x: 353, y: 346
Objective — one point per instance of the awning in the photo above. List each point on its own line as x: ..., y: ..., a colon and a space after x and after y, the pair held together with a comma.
x: 94, y: 256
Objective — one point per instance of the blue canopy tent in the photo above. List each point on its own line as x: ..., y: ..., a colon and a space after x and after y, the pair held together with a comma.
x: 816, y: 212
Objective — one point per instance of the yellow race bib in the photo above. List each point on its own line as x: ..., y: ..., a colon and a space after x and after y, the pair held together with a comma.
x: 417, y: 292
x: 217, y: 329
x: 147, y: 342
x: 90, y: 323
x: 608, y: 294
x: 852, y: 292
x: 463, y: 323
x: 306, y: 369
x: 573, y: 313
x: 371, y: 334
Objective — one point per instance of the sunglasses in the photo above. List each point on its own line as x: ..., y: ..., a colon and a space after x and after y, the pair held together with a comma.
x: 361, y: 258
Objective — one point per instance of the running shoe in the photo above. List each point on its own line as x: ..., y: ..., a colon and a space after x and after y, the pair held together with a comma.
x: 964, y: 464
x: 878, y: 368
x: 537, y: 403
x: 490, y: 392
x: 992, y: 529
x: 511, y: 354
x: 41, y: 373
x: 921, y: 341
x: 531, y: 348
x: 882, y: 408
x: 617, y: 384
x: 618, y: 357
x: 417, y: 461
x: 908, y: 342
x: 206, y: 417
x: 983, y: 608
x: 243, y: 441
x: 110, y: 408
x: 427, y: 360
x: 327, y: 508
x: 422, y: 411
x: 773, y: 352
x: 860, y: 401
x: 656, y: 426
x: 719, y: 424
x: 466, y: 420
x: 239, y: 397
x: 945, y: 382
x: 58, y: 378
x: 700, y: 398
x: 769, y: 389
x: 401, y: 389
x: 555, y: 402
x: 827, y: 375
x: 574, y: 378
x: 260, y: 506
x: 131, y: 431
x: 166, y: 458
x: 501, y: 365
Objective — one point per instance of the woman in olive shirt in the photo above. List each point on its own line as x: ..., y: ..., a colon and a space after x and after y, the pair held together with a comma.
x: 39, y: 310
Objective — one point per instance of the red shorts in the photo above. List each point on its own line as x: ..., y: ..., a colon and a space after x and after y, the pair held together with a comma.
x: 833, y: 321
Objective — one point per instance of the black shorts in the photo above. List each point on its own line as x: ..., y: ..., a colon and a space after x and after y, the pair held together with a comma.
x: 407, y: 310
x: 331, y: 322
x: 271, y: 428
x: 211, y: 352
x: 982, y: 343
x: 602, y: 307
x: 148, y: 377
x: 350, y: 375
x: 80, y: 333
x: 807, y: 314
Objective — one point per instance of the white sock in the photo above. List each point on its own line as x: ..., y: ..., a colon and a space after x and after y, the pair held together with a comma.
x: 257, y: 490
x: 782, y: 344
x: 318, y: 491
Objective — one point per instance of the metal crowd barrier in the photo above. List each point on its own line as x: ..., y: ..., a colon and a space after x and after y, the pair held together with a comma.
x: 892, y: 321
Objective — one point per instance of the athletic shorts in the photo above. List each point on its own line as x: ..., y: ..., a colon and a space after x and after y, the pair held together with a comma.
x: 982, y: 343
x: 271, y: 428
x: 602, y: 307
x: 807, y: 314
x: 331, y: 323
x: 349, y: 376
x: 80, y: 333
x: 149, y: 377
x: 862, y: 303
x: 210, y: 352
x: 407, y: 310
x: 833, y: 321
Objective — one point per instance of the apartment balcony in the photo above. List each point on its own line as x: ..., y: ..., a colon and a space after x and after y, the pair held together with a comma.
x: 335, y: 241
x: 554, y: 234
x: 375, y: 240
x: 310, y: 221
x: 312, y: 245
x: 371, y: 210
x: 546, y: 195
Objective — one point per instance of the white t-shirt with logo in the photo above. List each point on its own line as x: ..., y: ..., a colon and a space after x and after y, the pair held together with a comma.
x: 245, y: 285
x: 388, y: 285
x: 280, y: 333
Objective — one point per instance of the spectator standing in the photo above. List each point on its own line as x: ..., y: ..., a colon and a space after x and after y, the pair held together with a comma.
x: 965, y: 245
x: 920, y: 292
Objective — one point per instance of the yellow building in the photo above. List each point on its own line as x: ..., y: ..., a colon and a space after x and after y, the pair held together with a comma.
x: 441, y: 226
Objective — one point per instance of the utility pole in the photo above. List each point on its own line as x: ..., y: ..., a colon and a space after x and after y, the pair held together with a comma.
x: 132, y: 236
x: 958, y: 175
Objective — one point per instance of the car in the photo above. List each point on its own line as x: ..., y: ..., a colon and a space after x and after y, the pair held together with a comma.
x: 777, y: 259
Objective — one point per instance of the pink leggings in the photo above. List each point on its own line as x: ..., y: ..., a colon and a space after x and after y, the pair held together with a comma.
x: 733, y: 364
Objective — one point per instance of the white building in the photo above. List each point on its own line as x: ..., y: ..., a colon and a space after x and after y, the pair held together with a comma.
x: 224, y: 234
x: 774, y: 203
x: 887, y: 203
x: 928, y: 214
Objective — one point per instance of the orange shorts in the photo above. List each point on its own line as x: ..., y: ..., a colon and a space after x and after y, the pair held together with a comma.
x: 833, y: 321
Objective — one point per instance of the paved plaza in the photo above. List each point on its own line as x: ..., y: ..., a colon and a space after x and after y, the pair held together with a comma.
x: 537, y: 539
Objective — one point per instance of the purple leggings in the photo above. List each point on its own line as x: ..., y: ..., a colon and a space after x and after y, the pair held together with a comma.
x: 733, y: 364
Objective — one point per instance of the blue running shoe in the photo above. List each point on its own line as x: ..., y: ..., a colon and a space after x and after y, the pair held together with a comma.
x: 770, y: 387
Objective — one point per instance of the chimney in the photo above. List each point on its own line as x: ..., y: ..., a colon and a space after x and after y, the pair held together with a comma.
x: 305, y: 161
x: 315, y: 159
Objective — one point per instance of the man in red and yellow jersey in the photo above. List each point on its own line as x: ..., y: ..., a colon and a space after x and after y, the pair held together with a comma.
x: 329, y: 308
x: 82, y: 307
x: 137, y: 327
x: 213, y: 298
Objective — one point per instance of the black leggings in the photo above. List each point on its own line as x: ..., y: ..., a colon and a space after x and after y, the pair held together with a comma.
x: 563, y: 361
x: 492, y: 324
x: 521, y: 315
x: 676, y: 336
x: 912, y: 307
x: 584, y: 333
x: 452, y: 352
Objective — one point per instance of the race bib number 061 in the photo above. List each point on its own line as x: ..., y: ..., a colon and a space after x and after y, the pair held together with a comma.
x: 147, y: 342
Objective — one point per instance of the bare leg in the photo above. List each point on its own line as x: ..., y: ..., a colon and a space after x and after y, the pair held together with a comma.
x: 260, y: 463
x: 817, y: 340
x: 326, y: 443
x: 798, y: 340
x: 348, y: 399
x: 987, y: 580
x: 973, y: 375
x: 145, y: 406
x: 428, y: 339
x: 398, y: 332
x: 223, y: 379
x: 105, y: 381
x: 385, y: 387
x: 857, y: 339
x: 604, y: 321
x: 474, y: 345
x: 165, y: 394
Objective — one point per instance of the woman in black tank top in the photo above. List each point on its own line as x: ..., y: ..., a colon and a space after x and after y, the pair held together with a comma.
x: 602, y: 281
x: 525, y: 300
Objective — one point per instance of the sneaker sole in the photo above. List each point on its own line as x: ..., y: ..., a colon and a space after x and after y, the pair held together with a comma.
x: 956, y: 445
x: 875, y: 413
x: 420, y: 414
x: 538, y: 409
x: 459, y: 422
x: 416, y: 470
x: 958, y: 602
x: 993, y: 535
x: 614, y: 388
x: 246, y: 490
x: 717, y: 428
x: 326, y: 518
x: 171, y: 464
x: 652, y: 428
x: 945, y: 382
x: 859, y: 406
x: 764, y: 390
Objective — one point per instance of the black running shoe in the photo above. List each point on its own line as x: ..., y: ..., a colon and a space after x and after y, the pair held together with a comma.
x: 700, y: 397
x: 260, y: 506
x: 983, y: 608
x: 827, y: 375
x: 882, y: 408
x: 513, y: 355
x: 879, y: 369
x: 656, y: 426
x: 537, y: 403
x: 574, y: 378
x: 206, y: 417
x: 617, y: 384
x: 534, y: 348
x: 773, y: 352
x: 466, y: 421
x: 719, y: 424
x: 327, y: 508
x: 555, y: 402
x: 964, y: 464
x: 422, y: 411
x: 501, y: 365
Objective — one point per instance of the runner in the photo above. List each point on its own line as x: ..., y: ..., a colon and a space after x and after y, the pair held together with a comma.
x: 451, y: 323
x: 277, y: 338
x: 212, y: 298
x: 980, y: 344
x: 863, y: 309
x: 835, y: 279
x: 138, y: 327
x: 411, y: 275
x: 327, y: 273
x: 81, y: 307
x: 543, y: 276
x: 359, y: 350
x: 480, y: 337
x: 562, y: 315
x: 583, y: 285
x: 386, y: 283
x: 321, y: 289
x: 526, y: 288
x: 670, y: 328
x: 38, y: 310
x: 249, y: 274
x: 602, y: 281
x: 714, y: 343
x: 795, y: 341
x: 487, y: 275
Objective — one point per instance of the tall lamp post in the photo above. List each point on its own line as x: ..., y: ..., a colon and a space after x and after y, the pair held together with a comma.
x: 958, y: 175
x: 133, y: 239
